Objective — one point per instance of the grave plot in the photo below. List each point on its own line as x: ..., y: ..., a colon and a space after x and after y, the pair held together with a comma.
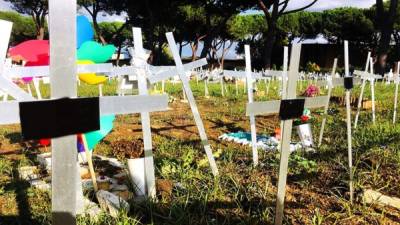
x: 256, y: 141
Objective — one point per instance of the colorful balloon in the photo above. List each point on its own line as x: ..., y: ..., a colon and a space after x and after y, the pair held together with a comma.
x: 90, y: 78
x: 94, y: 137
x: 95, y: 52
x: 84, y: 30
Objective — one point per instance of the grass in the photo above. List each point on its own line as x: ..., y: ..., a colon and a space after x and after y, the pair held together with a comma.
x: 317, y: 191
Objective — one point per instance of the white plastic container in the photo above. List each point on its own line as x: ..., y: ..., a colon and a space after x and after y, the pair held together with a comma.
x: 136, y: 171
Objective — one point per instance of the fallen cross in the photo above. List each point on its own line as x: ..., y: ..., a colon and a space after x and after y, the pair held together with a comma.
x: 181, y: 69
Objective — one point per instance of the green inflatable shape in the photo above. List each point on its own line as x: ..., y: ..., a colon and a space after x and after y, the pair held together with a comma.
x: 95, y: 52
x: 94, y: 137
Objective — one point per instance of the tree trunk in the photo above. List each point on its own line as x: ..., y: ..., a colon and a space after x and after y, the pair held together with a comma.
x: 97, y: 29
x: 206, y: 47
x: 118, y: 54
x: 385, y: 19
x: 384, y: 45
x: 180, y: 49
x: 270, y: 39
x: 40, y: 34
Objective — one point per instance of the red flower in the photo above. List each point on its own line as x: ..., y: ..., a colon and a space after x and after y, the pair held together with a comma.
x: 304, y: 118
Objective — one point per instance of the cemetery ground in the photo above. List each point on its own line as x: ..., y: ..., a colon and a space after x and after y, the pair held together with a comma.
x: 317, y: 191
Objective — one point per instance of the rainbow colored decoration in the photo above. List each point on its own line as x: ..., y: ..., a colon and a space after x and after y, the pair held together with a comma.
x: 95, y: 52
x: 94, y: 137
x: 84, y: 30
x: 90, y: 78
x: 89, y: 52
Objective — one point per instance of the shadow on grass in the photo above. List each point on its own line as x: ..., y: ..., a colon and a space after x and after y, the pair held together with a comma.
x: 210, y: 212
x: 20, y: 188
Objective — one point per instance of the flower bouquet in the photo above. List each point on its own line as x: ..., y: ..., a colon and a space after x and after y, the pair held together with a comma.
x: 311, y: 91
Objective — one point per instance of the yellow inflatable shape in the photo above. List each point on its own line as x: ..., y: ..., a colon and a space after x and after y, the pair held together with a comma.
x: 90, y: 78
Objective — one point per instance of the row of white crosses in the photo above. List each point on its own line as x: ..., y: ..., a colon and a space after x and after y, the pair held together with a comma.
x: 336, y: 82
x: 63, y: 72
x: 251, y: 77
x: 270, y: 107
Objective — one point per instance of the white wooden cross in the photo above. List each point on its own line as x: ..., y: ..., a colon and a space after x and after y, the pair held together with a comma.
x: 366, y: 76
x: 348, y: 120
x: 271, y: 107
x: 140, y: 61
x: 331, y: 82
x: 330, y: 88
x: 396, y: 81
x: 250, y: 78
x: 180, y: 70
x: 63, y: 84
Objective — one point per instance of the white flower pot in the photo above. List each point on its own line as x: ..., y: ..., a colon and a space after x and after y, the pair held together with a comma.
x: 136, y: 171
x: 305, y: 134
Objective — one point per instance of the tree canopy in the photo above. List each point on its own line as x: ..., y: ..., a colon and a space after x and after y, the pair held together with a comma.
x: 217, y: 24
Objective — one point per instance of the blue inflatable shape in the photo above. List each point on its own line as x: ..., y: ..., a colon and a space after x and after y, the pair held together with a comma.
x: 84, y: 30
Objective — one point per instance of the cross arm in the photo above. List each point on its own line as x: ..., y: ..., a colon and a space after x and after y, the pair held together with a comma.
x: 173, y: 72
x: 235, y: 74
x: 271, y: 107
x: 43, y: 71
x: 273, y: 73
x: 366, y: 75
x: 337, y: 82
x: 108, y: 105
x: 241, y: 74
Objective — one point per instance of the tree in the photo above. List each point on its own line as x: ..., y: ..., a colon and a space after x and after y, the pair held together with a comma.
x: 273, y: 10
x: 155, y: 18
x: 94, y: 7
x: 109, y: 31
x: 244, y: 27
x: 385, y: 19
x: 350, y: 24
x: 37, y: 9
x: 23, y: 27
x: 191, y: 30
x: 217, y: 15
